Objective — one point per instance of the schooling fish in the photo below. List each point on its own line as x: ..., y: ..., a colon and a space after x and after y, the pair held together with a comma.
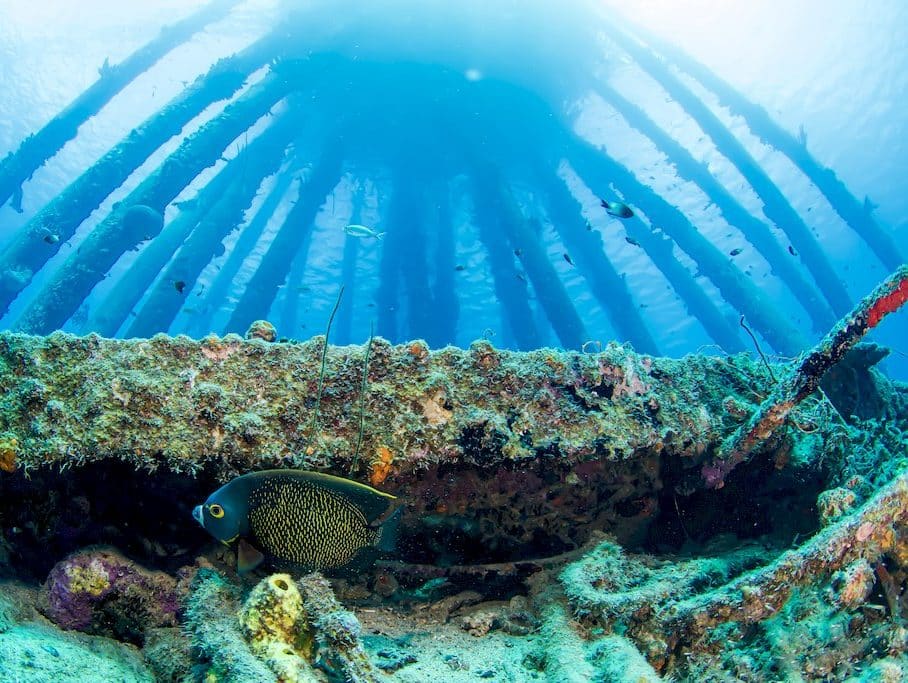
x: 355, y: 230
x: 735, y: 251
x: 306, y: 519
x: 616, y: 209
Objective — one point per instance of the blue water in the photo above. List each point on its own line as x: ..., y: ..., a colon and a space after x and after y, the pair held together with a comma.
x: 448, y: 117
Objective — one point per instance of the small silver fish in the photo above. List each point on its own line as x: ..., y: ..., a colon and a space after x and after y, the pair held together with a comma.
x: 356, y: 230
x: 616, y: 209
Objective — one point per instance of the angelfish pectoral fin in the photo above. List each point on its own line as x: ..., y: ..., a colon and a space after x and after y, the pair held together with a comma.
x: 247, y: 557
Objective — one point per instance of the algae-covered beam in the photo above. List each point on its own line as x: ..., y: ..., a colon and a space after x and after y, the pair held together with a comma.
x: 510, y: 283
x: 857, y: 214
x: 755, y: 231
x: 736, y: 287
x: 70, y: 284
x: 36, y: 149
x: 181, y: 403
x: 588, y: 252
x: 526, y: 242
x: 875, y: 529
x: 775, y: 205
x: 291, y: 241
x: 42, y: 236
x: 804, y: 376
x: 260, y: 159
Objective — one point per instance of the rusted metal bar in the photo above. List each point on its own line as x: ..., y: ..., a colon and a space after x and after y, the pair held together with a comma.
x: 804, y: 376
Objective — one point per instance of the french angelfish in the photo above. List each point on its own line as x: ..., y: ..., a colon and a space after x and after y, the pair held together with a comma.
x: 303, y: 519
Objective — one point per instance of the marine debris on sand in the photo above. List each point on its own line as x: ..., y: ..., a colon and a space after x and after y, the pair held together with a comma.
x: 556, y: 522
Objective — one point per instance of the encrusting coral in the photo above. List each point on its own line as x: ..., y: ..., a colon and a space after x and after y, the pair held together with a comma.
x: 285, y: 631
x: 222, y: 653
x: 274, y: 623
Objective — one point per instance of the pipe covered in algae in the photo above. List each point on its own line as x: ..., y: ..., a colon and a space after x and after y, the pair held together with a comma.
x: 180, y: 403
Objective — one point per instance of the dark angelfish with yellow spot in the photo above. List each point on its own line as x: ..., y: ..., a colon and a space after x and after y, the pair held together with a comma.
x: 302, y: 519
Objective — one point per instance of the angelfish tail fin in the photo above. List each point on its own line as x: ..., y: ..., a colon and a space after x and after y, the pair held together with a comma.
x: 386, y: 534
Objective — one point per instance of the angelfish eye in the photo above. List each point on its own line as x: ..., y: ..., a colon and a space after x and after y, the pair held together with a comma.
x: 216, y: 511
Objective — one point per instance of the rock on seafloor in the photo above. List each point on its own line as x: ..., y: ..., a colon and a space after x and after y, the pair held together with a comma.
x: 101, y: 592
x: 33, y: 650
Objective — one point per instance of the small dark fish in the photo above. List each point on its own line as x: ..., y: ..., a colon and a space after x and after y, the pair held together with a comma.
x: 631, y: 240
x: 589, y: 228
x: 735, y: 251
x: 518, y: 253
x: 567, y: 257
x: 304, y: 519
x: 179, y: 285
x: 50, y: 238
x: 459, y: 267
x: 791, y: 250
x: 521, y: 277
x: 616, y: 209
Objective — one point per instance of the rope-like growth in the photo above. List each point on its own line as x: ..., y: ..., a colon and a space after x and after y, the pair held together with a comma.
x: 321, y: 373
x: 757, y: 347
x: 362, y: 400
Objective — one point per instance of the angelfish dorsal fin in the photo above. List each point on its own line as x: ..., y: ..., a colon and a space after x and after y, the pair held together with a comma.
x: 247, y: 557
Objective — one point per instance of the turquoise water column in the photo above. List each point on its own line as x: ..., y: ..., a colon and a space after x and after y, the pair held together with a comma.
x: 291, y: 241
x: 784, y: 265
x: 178, y: 279
x: 775, y: 205
x: 36, y: 149
x: 36, y: 242
x: 71, y: 283
x: 444, y: 288
x: 215, y: 295
x: 855, y: 213
x: 589, y: 255
x: 735, y: 287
